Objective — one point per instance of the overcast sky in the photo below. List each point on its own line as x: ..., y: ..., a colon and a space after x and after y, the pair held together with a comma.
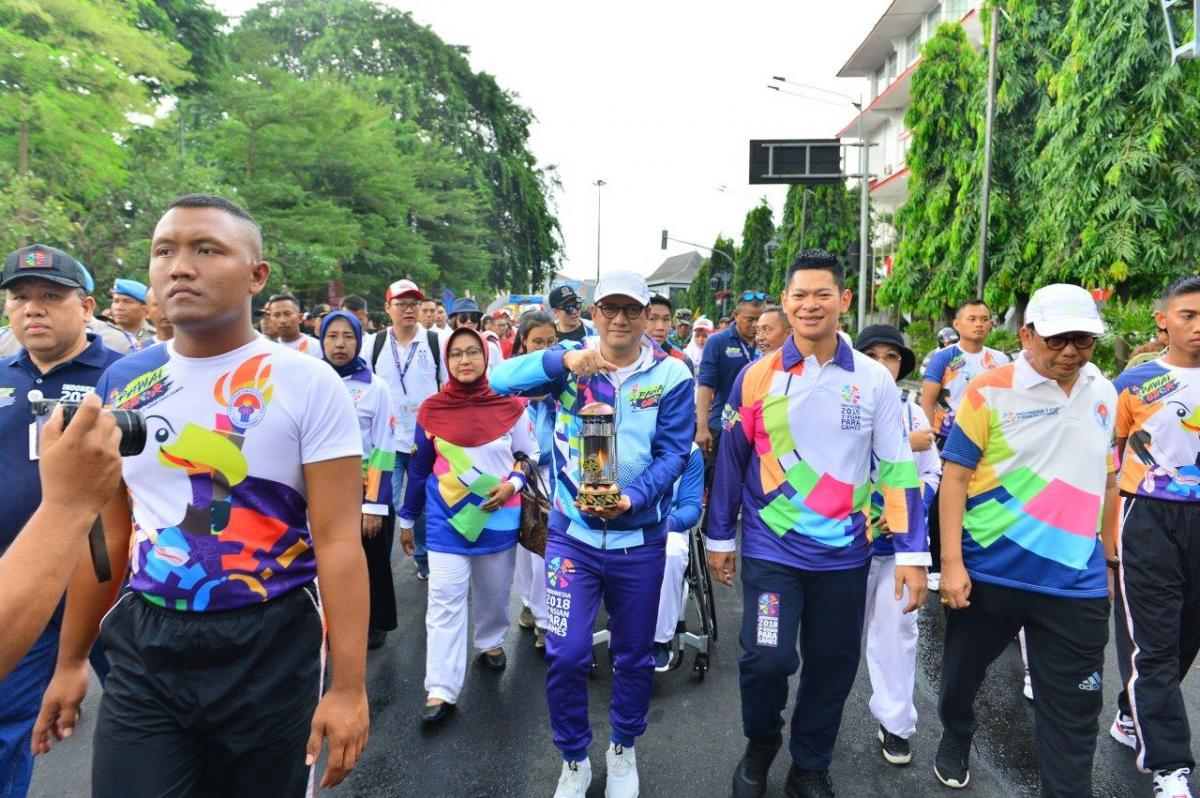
x: 658, y: 98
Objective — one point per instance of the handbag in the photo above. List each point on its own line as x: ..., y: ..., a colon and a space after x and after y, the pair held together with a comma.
x: 535, y: 508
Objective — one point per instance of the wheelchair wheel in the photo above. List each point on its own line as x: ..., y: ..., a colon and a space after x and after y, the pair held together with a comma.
x: 701, y: 587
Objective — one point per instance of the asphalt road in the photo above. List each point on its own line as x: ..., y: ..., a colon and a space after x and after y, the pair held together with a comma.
x: 499, y: 742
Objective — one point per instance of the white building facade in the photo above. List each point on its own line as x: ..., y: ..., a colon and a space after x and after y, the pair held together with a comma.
x: 888, y: 58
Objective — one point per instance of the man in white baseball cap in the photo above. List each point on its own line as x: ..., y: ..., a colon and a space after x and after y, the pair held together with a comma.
x: 615, y: 553
x: 1028, y: 479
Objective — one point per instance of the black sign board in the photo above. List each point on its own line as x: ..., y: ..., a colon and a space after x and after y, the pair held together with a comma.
x: 806, y: 162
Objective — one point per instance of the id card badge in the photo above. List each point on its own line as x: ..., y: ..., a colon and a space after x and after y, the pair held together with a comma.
x: 408, y: 421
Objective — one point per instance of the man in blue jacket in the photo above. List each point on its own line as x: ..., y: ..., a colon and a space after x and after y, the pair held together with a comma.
x: 616, y: 553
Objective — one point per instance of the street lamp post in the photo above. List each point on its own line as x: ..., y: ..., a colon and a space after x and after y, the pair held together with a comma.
x: 981, y: 272
x: 599, y: 184
x: 863, y: 181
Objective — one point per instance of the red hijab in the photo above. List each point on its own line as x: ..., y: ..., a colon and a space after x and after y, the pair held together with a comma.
x: 468, y: 414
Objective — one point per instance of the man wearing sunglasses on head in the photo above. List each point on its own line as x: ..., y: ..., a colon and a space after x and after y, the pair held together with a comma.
x: 725, y: 354
x: 1028, y: 480
x: 566, y: 305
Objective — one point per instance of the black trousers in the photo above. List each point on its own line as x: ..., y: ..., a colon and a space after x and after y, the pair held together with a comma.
x: 1159, y: 548
x: 823, y: 612
x: 208, y: 703
x: 1066, y: 639
x: 933, y: 520
x: 710, y: 467
x: 378, y: 551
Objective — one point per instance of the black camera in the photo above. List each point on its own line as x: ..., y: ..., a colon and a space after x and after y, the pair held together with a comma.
x: 131, y: 422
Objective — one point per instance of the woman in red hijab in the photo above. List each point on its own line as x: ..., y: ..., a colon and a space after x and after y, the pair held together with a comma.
x: 463, y: 475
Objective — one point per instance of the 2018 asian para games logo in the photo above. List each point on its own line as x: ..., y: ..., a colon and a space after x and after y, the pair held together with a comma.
x: 768, y: 605
x: 559, y: 572
x: 851, y: 395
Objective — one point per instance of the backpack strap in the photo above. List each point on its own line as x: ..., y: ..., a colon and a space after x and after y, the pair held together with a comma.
x: 377, y: 347
x: 435, y: 346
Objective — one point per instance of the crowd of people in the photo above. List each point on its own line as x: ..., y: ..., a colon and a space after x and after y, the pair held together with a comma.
x: 1033, y: 493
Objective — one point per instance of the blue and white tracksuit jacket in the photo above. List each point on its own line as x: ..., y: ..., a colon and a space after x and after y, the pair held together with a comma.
x: 621, y: 560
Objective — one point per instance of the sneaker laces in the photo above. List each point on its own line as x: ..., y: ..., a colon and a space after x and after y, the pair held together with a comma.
x: 621, y: 764
x: 572, y: 777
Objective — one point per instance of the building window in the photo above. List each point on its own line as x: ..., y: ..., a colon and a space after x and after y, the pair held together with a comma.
x: 956, y: 9
x: 912, y: 47
x: 932, y: 20
x: 890, y: 68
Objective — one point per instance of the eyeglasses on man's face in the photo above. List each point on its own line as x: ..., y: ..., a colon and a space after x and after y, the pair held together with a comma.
x: 1057, y: 343
x: 572, y: 308
x: 610, y: 311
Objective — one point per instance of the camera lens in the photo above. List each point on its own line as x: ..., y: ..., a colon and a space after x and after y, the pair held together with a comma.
x: 133, y: 431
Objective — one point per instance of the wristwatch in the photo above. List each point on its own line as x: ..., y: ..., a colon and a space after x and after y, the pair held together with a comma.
x: 1113, y: 563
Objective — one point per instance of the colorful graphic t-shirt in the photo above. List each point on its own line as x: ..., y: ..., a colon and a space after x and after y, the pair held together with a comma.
x: 1158, y: 415
x: 1041, y: 460
x: 450, y: 482
x: 953, y: 369
x: 800, y: 443
x: 218, y: 494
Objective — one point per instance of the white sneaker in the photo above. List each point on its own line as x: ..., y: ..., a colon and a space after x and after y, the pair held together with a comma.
x: 1172, y: 784
x: 622, y: 772
x: 933, y: 580
x: 1123, y: 730
x: 575, y: 779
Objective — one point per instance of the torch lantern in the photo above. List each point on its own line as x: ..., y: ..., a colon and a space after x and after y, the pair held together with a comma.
x: 598, y: 457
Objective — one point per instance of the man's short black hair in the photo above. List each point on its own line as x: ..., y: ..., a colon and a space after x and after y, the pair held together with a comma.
x: 821, y: 259
x: 659, y: 299
x: 285, y: 296
x: 354, y: 303
x: 1184, y: 285
x: 228, y: 206
x: 970, y: 303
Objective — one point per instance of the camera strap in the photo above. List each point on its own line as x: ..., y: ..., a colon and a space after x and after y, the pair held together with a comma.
x: 99, y: 547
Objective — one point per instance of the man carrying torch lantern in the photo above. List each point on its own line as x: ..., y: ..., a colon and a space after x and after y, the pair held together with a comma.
x: 608, y: 523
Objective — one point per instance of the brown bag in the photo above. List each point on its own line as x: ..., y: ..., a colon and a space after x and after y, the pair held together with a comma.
x: 535, y: 509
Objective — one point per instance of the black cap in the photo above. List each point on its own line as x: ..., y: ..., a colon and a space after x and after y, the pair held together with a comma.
x: 564, y: 295
x: 44, y: 263
x: 887, y: 334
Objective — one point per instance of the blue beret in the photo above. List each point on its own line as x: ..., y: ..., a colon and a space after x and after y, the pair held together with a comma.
x: 130, y: 288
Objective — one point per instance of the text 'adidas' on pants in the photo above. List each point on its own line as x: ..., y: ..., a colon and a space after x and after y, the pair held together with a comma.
x: 1066, y: 661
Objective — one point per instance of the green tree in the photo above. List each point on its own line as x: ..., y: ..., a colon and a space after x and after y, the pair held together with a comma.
x: 70, y: 74
x: 423, y: 80
x: 1026, y: 57
x: 29, y: 212
x: 932, y: 268
x: 1119, y: 166
x: 828, y: 220
x: 752, y: 272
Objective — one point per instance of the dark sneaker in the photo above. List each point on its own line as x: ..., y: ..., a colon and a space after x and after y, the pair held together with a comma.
x: 376, y: 638
x: 493, y: 662
x: 750, y: 778
x: 950, y: 764
x: 808, y: 784
x: 662, y: 657
x: 895, y: 749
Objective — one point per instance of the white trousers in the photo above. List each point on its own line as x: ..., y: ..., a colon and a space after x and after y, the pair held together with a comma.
x: 670, y: 597
x: 488, y: 578
x: 531, y: 583
x: 891, y: 650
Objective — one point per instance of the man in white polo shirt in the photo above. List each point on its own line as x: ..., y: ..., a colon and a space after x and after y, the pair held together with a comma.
x: 1028, y: 481
x: 405, y: 356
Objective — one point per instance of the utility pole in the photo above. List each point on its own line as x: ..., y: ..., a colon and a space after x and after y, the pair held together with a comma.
x: 864, y: 245
x: 981, y: 273
x: 599, y: 184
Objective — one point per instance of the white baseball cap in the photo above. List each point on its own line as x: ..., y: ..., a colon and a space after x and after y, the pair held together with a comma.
x: 703, y: 323
x: 630, y: 284
x: 1062, y: 308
